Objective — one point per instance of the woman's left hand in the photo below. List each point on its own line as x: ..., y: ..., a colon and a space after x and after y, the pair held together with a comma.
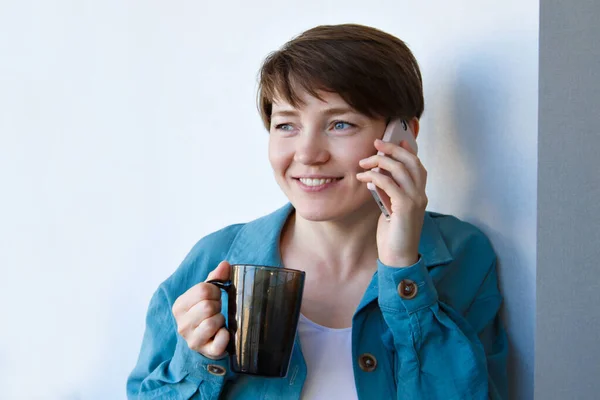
x: 398, y: 239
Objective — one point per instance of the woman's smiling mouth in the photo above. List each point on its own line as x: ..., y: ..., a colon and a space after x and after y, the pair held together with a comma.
x: 316, y: 184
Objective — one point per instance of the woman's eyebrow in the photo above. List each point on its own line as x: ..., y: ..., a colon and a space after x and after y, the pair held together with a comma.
x: 284, y: 113
x: 326, y: 111
x: 338, y: 110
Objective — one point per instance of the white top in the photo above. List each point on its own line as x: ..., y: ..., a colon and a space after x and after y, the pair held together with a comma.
x: 328, y: 355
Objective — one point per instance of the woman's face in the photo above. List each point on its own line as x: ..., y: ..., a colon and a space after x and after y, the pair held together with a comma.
x: 314, y: 151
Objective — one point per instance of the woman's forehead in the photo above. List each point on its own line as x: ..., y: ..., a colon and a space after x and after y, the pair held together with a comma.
x: 322, y: 100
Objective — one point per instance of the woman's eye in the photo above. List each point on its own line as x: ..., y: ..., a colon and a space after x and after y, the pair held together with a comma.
x: 284, y: 127
x: 341, y: 125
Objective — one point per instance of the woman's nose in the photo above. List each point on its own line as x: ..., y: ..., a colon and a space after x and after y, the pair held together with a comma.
x: 311, y: 149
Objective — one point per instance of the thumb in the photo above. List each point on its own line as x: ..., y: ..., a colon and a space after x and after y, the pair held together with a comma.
x: 221, y: 273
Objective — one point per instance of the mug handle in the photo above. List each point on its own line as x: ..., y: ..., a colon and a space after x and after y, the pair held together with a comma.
x: 223, y: 285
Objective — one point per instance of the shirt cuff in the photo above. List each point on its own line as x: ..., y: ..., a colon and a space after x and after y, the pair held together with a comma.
x: 416, y: 277
x: 194, y: 364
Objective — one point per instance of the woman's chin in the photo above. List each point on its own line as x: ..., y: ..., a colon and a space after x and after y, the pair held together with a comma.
x: 327, y: 211
x: 316, y: 215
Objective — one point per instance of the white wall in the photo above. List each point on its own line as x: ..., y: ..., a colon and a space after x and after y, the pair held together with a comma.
x: 128, y: 130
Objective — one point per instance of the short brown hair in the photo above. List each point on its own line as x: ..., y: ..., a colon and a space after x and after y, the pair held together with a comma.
x: 373, y: 71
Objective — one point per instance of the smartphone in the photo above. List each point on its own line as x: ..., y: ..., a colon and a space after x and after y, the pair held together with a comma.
x: 396, y: 131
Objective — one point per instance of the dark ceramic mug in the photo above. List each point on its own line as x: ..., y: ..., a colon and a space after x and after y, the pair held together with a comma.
x: 263, y: 311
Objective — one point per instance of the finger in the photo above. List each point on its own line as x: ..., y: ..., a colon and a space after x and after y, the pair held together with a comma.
x: 384, y: 182
x: 398, y: 171
x: 406, y: 155
x: 397, y: 196
x: 202, y: 291
x: 198, y: 313
x: 222, y: 271
x: 217, y: 347
x: 419, y: 172
x: 207, y: 329
x: 389, y: 146
x: 194, y: 295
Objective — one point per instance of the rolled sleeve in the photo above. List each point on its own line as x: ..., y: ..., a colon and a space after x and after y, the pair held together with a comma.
x: 167, y: 368
x: 390, y: 279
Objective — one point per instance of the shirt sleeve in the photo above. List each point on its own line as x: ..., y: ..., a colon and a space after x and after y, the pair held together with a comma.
x: 442, y: 353
x: 167, y: 368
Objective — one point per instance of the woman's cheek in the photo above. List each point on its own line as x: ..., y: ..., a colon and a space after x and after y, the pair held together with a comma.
x: 280, y: 156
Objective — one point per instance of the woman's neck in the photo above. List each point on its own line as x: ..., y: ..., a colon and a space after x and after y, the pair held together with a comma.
x: 343, y: 246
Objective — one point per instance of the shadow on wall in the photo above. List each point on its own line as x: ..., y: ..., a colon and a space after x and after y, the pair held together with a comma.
x: 489, y: 136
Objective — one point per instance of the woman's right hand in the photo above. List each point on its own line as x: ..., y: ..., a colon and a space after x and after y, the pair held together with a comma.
x: 198, y: 316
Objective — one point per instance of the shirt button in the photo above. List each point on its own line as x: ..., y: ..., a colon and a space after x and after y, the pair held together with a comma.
x: 407, y: 289
x: 367, y: 362
x: 216, y: 369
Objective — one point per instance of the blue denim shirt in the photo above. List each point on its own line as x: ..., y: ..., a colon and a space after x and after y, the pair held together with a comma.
x: 446, y: 343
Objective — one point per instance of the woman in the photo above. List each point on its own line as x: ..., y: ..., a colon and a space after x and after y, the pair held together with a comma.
x: 405, y: 308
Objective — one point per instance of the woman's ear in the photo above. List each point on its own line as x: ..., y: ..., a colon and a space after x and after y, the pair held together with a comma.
x: 414, y: 125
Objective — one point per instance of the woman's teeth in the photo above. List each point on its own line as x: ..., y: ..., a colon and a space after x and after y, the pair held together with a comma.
x: 316, y: 182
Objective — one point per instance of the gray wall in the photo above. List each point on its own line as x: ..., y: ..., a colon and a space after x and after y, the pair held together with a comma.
x: 567, y: 340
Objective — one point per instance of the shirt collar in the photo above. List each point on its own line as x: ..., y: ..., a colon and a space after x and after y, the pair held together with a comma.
x: 257, y: 242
